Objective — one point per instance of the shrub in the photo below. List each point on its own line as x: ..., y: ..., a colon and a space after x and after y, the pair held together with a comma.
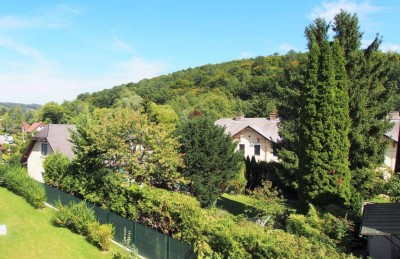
x: 324, y: 228
x: 17, y: 180
x: 393, y: 188
x: 101, y: 235
x: 80, y: 219
x: 56, y: 167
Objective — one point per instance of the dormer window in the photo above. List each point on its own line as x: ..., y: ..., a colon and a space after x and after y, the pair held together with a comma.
x: 43, y: 148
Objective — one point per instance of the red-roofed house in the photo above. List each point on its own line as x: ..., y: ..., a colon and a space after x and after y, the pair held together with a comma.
x: 37, y: 126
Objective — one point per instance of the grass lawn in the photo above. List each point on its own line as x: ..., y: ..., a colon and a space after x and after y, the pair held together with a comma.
x: 235, y: 204
x: 30, y: 233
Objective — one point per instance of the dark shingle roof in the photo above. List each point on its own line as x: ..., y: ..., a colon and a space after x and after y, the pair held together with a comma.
x: 381, y: 219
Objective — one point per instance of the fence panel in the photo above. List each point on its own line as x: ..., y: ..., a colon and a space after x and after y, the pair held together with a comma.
x: 150, y: 243
x: 122, y: 227
x: 54, y: 195
x: 178, y: 250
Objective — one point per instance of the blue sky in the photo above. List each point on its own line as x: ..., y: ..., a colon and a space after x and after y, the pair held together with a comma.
x: 55, y: 50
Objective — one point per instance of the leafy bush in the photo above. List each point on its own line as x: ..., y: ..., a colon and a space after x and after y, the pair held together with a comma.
x: 101, y: 235
x: 80, y: 219
x: 393, y: 188
x: 55, y: 167
x: 16, y: 179
x: 324, y: 228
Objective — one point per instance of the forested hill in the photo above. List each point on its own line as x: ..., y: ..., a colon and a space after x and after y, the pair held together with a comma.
x: 248, y: 86
x: 5, y: 106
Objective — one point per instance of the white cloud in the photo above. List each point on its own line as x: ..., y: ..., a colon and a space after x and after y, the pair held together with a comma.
x: 329, y: 9
x: 245, y: 54
x: 121, y: 45
x: 22, y: 49
x: 42, y: 83
x: 58, y: 17
x: 385, y: 47
x: 286, y: 47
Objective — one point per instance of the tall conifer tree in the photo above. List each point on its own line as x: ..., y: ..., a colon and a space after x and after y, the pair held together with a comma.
x: 324, y: 175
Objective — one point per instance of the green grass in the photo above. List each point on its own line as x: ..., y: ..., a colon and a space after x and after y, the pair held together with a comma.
x: 236, y: 204
x: 30, y: 233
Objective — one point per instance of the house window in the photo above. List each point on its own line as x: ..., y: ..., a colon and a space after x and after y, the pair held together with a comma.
x: 43, y: 149
x: 257, y: 149
x: 241, y: 148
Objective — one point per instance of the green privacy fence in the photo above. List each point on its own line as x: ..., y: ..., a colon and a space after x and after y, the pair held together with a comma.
x: 150, y: 243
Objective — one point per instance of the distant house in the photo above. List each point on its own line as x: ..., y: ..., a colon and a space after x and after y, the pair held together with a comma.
x: 381, y: 225
x: 392, y: 136
x: 52, y: 138
x: 37, y: 126
x: 255, y: 136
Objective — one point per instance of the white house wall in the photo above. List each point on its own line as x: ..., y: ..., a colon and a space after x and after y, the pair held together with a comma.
x: 35, y: 162
x: 390, y: 155
x: 249, y: 138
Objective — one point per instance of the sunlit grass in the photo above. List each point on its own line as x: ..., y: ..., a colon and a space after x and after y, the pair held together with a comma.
x: 30, y: 233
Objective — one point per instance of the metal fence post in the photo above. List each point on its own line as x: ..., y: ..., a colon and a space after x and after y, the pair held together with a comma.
x: 134, y: 233
x: 168, y: 247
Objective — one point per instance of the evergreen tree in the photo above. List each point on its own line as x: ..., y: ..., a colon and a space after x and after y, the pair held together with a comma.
x: 324, y: 175
x: 370, y: 93
x: 210, y: 159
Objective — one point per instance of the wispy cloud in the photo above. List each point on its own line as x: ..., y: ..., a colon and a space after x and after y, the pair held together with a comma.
x: 390, y: 47
x: 329, y: 9
x: 286, y: 47
x: 58, y: 17
x: 41, y: 83
x: 22, y: 50
x: 121, y: 45
x: 245, y: 54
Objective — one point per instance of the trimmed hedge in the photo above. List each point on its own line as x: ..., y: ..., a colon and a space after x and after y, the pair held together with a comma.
x: 80, y: 219
x: 17, y: 180
x: 214, y: 233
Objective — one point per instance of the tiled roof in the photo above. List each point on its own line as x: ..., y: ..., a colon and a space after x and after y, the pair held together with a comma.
x: 267, y: 128
x: 59, y: 138
x: 33, y: 127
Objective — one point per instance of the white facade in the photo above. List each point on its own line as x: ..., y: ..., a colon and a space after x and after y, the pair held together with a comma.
x: 36, y: 158
x: 254, y: 144
x: 390, y: 155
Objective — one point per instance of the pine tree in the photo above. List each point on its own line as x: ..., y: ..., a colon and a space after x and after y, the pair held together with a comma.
x: 369, y: 92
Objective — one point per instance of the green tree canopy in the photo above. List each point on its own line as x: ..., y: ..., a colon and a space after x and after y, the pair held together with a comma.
x: 210, y: 160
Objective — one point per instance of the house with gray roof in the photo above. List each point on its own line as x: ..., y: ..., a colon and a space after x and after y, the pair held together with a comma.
x: 53, y: 138
x: 392, y: 136
x: 255, y: 136
x: 381, y: 225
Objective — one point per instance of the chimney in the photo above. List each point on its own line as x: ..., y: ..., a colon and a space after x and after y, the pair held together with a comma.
x: 239, y: 117
x: 394, y: 115
x: 273, y: 116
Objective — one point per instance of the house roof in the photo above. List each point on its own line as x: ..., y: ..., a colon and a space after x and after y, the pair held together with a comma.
x: 265, y: 127
x: 25, y: 125
x: 381, y: 219
x: 393, y: 133
x: 58, y: 136
x: 34, y: 127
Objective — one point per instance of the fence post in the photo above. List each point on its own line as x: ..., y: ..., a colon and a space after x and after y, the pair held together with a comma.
x: 168, y: 247
x: 134, y: 233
